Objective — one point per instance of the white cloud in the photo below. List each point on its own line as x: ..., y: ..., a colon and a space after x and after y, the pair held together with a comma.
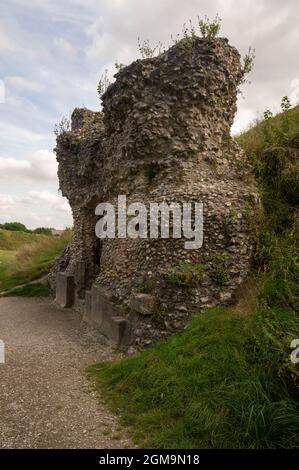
x: 40, y: 166
x: 22, y: 83
x: 5, y: 42
x: 6, y: 201
x: 18, y: 134
x: 2, y: 92
x: 35, y: 209
x: 57, y: 202
x: 294, y: 96
x: 65, y: 48
x: 243, y: 119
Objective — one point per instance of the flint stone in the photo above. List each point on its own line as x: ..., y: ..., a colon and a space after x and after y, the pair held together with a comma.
x: 142, y: 303
x: 80, y: 274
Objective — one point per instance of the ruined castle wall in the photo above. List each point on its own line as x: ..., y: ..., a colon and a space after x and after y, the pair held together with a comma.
x: 80, y: 158
x: 164, y: 135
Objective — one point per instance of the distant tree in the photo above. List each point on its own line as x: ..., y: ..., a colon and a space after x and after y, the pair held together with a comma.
x: 14, y: 227
x: 43, y: 231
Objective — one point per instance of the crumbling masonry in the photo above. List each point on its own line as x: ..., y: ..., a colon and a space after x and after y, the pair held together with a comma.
x: 163, y: 135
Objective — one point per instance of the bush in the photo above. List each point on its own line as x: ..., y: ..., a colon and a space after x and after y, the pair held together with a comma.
x: 14, y: 227
x: 43, y: 231
x: 272, y: 148
x: 63, y: 126
x: 209, y: 29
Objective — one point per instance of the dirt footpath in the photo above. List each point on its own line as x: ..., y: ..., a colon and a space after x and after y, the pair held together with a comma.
x: 45, y: 398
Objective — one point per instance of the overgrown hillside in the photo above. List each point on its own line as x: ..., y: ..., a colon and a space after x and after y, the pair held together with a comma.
x: 12, y: 241
x: 228, y: 381
x: 25, y: 257
x: 272, y: 148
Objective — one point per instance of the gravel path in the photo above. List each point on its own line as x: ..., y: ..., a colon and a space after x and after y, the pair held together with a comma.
x: 45, y: 399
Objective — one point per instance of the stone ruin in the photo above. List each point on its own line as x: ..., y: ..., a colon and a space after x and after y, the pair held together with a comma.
x: 163, y: 135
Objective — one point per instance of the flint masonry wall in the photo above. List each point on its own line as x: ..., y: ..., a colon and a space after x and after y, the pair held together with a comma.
x: 163, y: 135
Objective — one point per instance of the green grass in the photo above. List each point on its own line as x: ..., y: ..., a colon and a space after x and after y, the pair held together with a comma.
x: 7, y: 258
x: 216, y: 385
x: 11, y: 241
x: 26, y: 257
x: 29, y: 290
x: 272, y: 149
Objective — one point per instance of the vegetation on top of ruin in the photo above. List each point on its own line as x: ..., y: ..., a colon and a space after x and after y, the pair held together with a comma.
x: 206, y: 28
x: 227, y: 380
x: 147, y: 51
x: 103, y: 83
x: 63, y: 126
x: 248, y: 63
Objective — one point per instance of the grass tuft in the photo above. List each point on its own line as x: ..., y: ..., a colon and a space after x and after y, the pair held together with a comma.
x: 29, y: 290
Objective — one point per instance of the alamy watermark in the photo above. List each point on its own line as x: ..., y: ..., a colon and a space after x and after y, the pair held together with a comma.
x: 155, y: 220
x: 295, y: 353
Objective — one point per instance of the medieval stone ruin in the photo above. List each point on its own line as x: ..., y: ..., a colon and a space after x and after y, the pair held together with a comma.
x: 163, y: 135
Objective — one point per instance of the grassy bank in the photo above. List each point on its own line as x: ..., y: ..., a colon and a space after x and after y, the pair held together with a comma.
x: 227, y: 381
x: 25, y: 257
x: 219, y: 384
x: 12, y: 241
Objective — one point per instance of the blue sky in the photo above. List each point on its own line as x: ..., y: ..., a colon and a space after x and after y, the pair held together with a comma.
x: 52, y: 55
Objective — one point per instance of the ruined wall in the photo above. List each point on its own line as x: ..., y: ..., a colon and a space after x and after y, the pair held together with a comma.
x: 80, y: 158
x: 164, y: 135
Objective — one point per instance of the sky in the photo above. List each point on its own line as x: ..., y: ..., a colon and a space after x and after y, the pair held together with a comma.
x: 53, y: 52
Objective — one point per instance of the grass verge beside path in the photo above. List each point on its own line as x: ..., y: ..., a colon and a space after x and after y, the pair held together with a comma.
x: 222, y: 383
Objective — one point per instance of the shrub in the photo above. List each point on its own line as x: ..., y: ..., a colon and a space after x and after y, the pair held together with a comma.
x: 63, y: 126
x: 248, y: 63
x: 272, y: 148
x: 147, y: 51
x: 209, y: 29
x: 14, y: 227
x: 43, y: 231
x: 104, y: 83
